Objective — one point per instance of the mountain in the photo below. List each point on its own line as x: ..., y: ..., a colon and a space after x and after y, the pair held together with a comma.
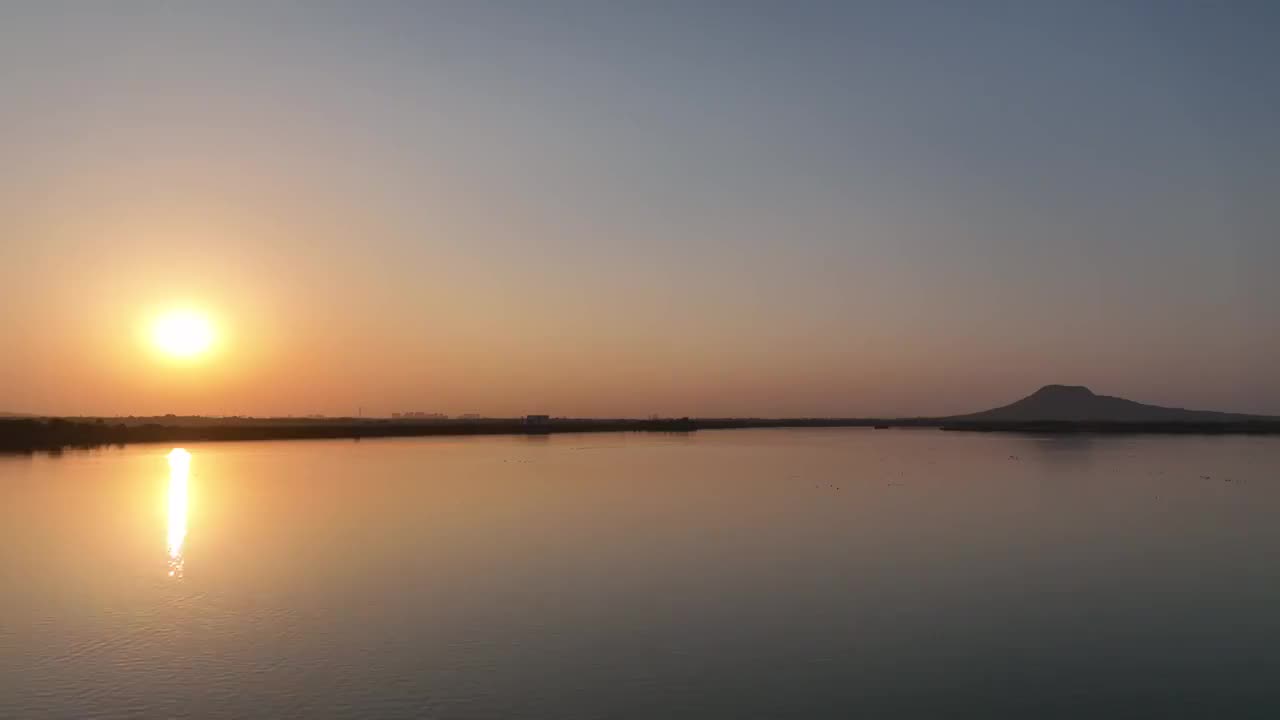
x: 1076, y: 403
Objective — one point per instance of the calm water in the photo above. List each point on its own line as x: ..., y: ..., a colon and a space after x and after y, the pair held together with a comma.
x: 756, y: 573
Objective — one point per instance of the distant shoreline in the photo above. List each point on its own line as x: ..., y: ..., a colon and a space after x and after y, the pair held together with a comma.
x: 1060, y: 427
x: 29, y: 435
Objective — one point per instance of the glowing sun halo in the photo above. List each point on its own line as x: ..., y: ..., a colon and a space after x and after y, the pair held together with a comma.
x: 183, y: 333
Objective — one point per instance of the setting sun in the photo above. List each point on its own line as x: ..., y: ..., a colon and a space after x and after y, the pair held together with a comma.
x: 183, y: 333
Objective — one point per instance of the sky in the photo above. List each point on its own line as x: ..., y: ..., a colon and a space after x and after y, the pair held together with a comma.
x: 622, y: 209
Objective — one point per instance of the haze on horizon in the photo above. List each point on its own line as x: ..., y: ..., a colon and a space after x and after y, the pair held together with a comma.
x: 851, y: 209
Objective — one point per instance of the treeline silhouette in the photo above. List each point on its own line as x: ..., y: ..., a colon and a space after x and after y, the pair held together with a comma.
x: 38, y: 434
x: 29, y: 434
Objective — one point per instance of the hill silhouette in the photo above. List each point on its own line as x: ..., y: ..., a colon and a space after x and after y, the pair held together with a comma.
x: 1076, y: 403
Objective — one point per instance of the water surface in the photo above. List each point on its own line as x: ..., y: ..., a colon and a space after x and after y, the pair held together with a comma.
x: 752, y: 573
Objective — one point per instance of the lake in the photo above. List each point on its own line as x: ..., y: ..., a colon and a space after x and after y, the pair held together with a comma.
x: 720, y: 574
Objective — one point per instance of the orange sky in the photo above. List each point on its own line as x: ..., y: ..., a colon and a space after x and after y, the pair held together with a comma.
x: 625, y: 213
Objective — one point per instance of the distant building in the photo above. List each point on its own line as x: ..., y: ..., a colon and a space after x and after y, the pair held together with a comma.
x: 395, y: 416
x: 537, y: 420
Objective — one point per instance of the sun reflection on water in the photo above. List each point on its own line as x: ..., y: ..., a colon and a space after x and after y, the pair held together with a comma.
x: 179, y: 470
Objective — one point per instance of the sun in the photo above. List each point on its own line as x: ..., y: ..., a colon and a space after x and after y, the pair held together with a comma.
x: 183, y: 333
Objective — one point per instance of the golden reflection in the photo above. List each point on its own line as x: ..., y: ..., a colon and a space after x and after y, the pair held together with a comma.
x: 179, y: 470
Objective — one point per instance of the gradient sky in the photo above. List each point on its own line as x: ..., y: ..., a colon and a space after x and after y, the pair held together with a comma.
x: 598, y: 208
